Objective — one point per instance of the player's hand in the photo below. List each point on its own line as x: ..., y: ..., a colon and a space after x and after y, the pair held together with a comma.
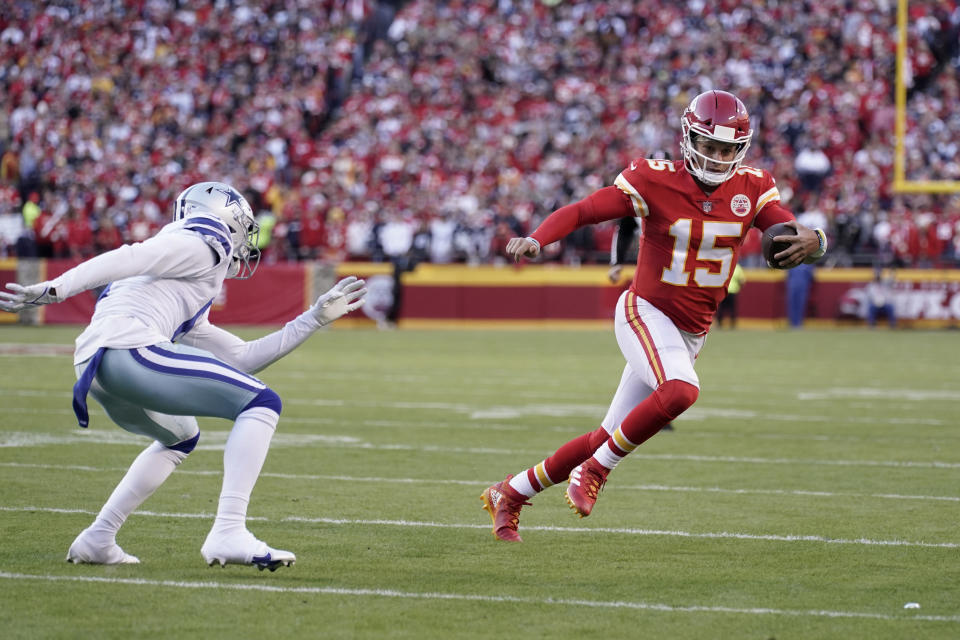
x: 32, y: 295
x: 802, y: 245
x: 344, y: 297
x: 523, y: 248
x: 614, y: 273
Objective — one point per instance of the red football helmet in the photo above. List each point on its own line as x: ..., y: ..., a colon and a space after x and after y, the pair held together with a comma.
x: 720, y: 116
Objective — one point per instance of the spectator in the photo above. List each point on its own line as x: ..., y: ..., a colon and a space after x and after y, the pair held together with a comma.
x: 880, y: 298
x: 359, y: 235
x: 799, y: 283
x: 107, y: 236
x: 441, y: 238
x: 335, y: 250
x: 313, y: 235
x: 79, y: 236
x: 812, y: 166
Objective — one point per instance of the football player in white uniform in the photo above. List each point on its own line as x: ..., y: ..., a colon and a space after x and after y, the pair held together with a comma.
x: 153, y: 360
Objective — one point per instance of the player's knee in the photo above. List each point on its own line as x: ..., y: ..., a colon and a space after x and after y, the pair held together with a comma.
x: 268, y: 399
x: 186, y: 446
x: 676, y: 396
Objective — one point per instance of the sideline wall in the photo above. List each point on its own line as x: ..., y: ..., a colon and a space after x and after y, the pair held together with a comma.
x: 527, y: 295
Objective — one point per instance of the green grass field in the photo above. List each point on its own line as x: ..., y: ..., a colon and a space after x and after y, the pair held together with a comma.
x: 811, y: 492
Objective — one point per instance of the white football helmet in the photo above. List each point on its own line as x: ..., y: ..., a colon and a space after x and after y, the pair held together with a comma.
x: 221, y: 201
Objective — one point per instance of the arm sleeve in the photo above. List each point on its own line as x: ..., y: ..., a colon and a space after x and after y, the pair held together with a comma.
x: 622, y: 238
x: 255, y: 355
x: 170, y: 255
x: 771, y: 214
x: 608, y: 203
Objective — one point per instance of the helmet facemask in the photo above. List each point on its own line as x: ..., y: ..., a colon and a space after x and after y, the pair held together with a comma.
x: 721, y: 117
x: 246, y: 254
x: 699, y: 164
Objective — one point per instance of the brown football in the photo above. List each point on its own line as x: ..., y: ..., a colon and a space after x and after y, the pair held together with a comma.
x: 771, y: 248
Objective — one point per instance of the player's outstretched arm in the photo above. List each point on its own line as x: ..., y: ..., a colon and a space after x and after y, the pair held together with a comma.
x: 523, y: 248
x: 22, y: 296
x: 807, y: 246
x: 607, y: 203
x: 167, y: 256
x: 256, y: 355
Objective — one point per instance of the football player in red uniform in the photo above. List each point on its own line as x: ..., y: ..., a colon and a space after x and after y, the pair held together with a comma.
x: 695, y: 216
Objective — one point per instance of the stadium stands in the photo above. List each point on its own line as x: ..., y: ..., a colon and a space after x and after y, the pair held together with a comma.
x: 454, y: 123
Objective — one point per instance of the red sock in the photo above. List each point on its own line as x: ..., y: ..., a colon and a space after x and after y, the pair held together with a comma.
x: 560, y: 464
x: 670, y: 399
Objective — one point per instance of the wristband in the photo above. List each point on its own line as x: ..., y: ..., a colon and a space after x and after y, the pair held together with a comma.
x: 822, y: 237
x: 534, y: 241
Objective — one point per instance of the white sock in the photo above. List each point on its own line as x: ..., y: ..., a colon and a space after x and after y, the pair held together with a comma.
x: 243, y: 458
x: 151, y: 468
x: 605, y: 456
x: 521, y: 484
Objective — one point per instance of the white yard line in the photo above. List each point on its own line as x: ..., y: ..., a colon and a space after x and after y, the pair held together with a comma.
x: 710, y: 535
x: 470, y: 597
x: 563, y: 408
x: 35, y: 350
x: 884, y: 394
x: 213, y: 440
x: 932, y: 464
x: 209, y: 439
x: 486, y: 483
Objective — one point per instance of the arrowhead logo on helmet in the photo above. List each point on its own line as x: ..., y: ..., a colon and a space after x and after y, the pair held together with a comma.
x: 720, y: 117
x: 224, y: 203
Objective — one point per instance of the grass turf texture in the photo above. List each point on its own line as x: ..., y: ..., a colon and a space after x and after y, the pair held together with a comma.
x: 810, y: 493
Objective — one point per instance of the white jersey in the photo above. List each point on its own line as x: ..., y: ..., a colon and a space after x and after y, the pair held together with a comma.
x: 158, y: 289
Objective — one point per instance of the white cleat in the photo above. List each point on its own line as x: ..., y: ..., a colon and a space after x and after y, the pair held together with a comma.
x: 85, y: 551
x: 244, y: 548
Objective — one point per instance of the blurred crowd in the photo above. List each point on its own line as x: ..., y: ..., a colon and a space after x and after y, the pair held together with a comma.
x: 372, y: 130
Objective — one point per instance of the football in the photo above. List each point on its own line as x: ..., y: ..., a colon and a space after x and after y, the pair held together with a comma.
x: 771, y: 248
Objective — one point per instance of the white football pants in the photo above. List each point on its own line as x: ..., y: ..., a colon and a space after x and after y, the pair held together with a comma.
x: 655, y: 350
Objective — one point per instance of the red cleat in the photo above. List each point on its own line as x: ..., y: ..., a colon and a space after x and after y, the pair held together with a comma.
x: 503, y: 510
x: 586, y: 481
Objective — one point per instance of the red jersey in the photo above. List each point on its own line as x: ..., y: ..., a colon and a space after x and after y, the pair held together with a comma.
x: 690, y: 241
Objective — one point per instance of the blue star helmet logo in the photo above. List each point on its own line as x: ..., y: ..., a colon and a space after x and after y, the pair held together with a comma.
x: 232, y: 196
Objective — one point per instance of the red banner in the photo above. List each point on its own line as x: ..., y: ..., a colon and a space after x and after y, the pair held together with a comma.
x: 534, y: 293
x: 274, y: 295
x: 435, y: 295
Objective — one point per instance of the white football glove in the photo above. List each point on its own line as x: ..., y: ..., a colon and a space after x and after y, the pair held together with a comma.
x: 31, y: 295
x: 344, y: 297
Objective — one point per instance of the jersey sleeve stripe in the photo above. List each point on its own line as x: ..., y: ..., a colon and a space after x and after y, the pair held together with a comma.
x: 771, y: 195
x: 208, y: 221
x: 212, y: 231
x: 639, y: 204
